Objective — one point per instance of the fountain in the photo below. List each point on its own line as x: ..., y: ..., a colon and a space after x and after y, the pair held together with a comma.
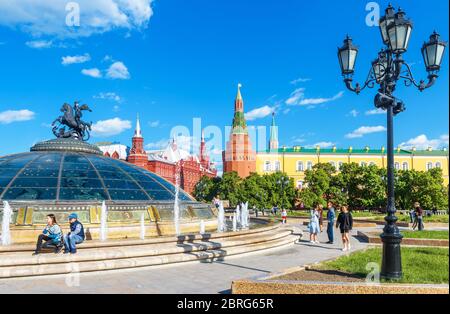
x: 142, y: 235
x: 235, y: 222
x: 238, y: 214
x: 104, y: 223
x: 176, y: 205
x: 244, y: 216
x: 221, y: 219
x: 202, y: 227
x: 6, y: 221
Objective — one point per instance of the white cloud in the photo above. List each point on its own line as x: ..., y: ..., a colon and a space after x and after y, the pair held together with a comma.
x: 116, y: 108
x: 154, y: 124
x: 259, y: 113
x: 318, y: 101
x: 48, y: 17
x: 422, y: 142
x: 158, y: 145
x: 108, y: 96
x: 322, y: 145
x: 118, y: 70
x: 92, y: 72
x: 300, y: 80
x: 75, y: 59
x: 110, y: 127
x: 297, y: 98
x: 353, y: 113
x: 360, y: 132
x: 39, y: 44
x: 10, y: 116
x: 375, y: 112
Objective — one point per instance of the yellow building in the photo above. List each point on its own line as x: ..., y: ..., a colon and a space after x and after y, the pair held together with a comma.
x: 294, y: 161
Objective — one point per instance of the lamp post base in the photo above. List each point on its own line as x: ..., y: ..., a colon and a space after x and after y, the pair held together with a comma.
x: 391, y: 267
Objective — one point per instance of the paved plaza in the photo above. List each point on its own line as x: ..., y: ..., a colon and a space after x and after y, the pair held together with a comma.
x: 186, y: 278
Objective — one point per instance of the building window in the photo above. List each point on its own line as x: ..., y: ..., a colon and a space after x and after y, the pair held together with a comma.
x: 429, y: 165
x: 372, y: 163
x: 267, y: 166
x: 300, y: 166
x: 438, y: 165
x: 397, y: 166
x: 333, y: 164
x: 405, y: 166
x: 309, y: 165
x: 277, y: 166
x: 299, y: 184
x: 340, y: 165
x: 363, y: 164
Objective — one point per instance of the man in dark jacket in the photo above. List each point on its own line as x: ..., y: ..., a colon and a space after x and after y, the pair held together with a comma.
x: 419, y: 216
x: 75, y: 236
x: 331, y: 215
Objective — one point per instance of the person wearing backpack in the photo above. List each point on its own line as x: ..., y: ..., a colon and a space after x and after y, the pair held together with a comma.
x: 52, y: 235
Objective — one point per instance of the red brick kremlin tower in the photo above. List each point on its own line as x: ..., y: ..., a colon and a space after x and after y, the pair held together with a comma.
x: 239, y: 155
x: 137, y: 155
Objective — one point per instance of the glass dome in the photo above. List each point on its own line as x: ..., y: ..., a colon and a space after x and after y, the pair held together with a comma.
x: 83, y: 177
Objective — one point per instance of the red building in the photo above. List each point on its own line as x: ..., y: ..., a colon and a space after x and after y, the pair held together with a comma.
x: 166, y: 161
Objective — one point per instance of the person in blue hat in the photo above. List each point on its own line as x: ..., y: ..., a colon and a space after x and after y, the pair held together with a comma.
x: 75, y: 236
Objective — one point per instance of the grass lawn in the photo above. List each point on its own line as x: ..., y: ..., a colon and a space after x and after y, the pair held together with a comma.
x: 420, y: 265
x: 434, y: 234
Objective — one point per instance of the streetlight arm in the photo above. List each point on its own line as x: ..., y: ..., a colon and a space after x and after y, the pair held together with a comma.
x: 370, y: 83
x: 421, y: 85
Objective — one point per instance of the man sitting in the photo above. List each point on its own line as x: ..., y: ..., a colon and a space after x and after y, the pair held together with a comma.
x: 75, y: 236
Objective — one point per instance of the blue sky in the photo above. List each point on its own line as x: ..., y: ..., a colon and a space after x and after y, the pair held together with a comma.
x: 172, y: 61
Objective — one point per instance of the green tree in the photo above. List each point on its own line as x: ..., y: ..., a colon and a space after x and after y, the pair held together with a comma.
x: 206, y: 189
x: 230, y: 188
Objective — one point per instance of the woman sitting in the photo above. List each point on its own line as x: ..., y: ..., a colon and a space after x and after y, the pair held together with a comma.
x: 52, y: 235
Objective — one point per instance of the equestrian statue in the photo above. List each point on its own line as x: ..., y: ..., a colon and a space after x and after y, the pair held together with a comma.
x: 71, y: 118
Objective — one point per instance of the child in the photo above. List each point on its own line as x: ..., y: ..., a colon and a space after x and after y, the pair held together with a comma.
x: 314, y: 226
x: 52, y: 235
x: 284, y: 216
x: 345, y: 224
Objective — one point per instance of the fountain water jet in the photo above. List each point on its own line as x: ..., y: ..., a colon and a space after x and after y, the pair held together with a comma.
x: 202, y: 227
x: 235, y: 222
x: 221, y: 218
x: 176, y: 205
x: 244, y: 216
x: 104, y: 223
x: 142, y: 235
x: 6, y: 221
x: 238, y: 214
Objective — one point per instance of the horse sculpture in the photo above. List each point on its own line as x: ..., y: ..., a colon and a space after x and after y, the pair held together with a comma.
x: 71, y: 118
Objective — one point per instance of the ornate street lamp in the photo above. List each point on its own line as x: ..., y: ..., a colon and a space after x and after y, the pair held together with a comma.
x: 386, y: 70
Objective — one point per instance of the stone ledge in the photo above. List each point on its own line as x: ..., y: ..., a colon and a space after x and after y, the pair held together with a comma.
x: 310, y: 287
x: 374, y: 238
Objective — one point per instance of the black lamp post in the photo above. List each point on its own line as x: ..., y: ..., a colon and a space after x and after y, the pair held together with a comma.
x: 387, y: 69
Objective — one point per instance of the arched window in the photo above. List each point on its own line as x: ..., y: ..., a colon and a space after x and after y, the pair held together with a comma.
x: 277, y: 166
x: 372, y: 163
x: 363, y: 164
x: 340, y: 165
x: 397, y: 166
x: 333, y: 164
x: 429, y: 165
x: 300, y: 166
x: 299, y: 184
x: 438, y: 165
x: 309, y: 165
x: 405, y: 166
x: 267, y: 166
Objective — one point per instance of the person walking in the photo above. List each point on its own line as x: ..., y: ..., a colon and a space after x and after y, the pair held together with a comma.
x: 284, y: 216
x: 320, y: 210
x: 75, y: 236
x: 52, y: 235
x: 345, y: 224
x: 412, y: 215
x: 419, y: 216
x: 331, y: 215
x: 314, y: 225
